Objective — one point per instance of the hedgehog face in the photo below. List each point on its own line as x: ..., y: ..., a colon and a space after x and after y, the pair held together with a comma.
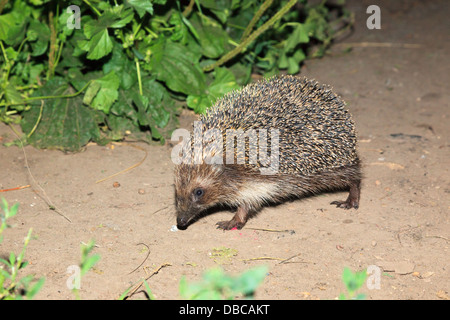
x: 197, y: 188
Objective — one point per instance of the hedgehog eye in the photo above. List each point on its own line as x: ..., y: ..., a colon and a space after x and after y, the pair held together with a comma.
x: 199, y: 192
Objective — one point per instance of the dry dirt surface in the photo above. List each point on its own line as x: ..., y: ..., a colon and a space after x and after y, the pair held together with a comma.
x: 399, y: 97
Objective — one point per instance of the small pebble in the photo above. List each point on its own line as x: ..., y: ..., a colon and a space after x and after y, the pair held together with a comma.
x: 174, y: 228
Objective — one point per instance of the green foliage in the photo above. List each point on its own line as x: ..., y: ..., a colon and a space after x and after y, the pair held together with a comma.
x: 11, y: 287
x: 132, y: 64
x: 353, y: 282
x: 88, y: 261
x: 73, y: 125
x: 218, y: 285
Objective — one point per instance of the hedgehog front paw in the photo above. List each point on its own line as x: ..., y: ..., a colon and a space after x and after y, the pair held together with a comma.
x: 229, y: 225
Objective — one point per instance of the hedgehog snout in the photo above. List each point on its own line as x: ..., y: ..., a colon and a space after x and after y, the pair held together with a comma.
x: 183, y: 215
x: 185, y: 212
x: 182, y: 222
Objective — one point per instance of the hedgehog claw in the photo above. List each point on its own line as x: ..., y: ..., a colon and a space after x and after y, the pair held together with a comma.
x: 346, y: 204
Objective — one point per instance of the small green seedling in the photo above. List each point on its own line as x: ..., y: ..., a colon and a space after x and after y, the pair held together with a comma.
x: 353, y: 282
x: 216, y: 285
x: 88, y: 261
x: 11, y: 287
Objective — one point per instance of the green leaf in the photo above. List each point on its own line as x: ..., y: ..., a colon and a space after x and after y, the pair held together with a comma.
x: 6, y: 263
x: 180, y: 32
x: 298, y: 35
x: 178, y: 68
x: 102, y: 92
x: 12, y: 28
x: 96, y: 31
x: 91, y: 92
x: 39, y: 2
x: 62, y: 22
x: 12, y: 258
x: 11, y: 212
x: 217, y: 277
x: 283, y: 61
x: 124, y: 68
x: 7, y: 22
x: 294, y: 61
x: 224, y: 82
x: 149, y: 291
x: 35, y: 71
x: 11, y: 54
x: 353, y: 281
x: 216, y: 284
x: 360, y: 296
x: 39, y: 35
x: 248, y: 281
x: 221, y: 8
x: 183, y: 287
x: 121, y: 16
x: 66, y: 124
x: 89, y: 263
x: 88, y: 260
x: 241, y: 72
x: 12, y: 95
x: 211, y: 36
x: 30, y: 293
x: 160, y: 106
x: 100, y: 45
x: 142, y: 105
x: 141, y: 6
x: 199, y: 103
x: 316, y: 24
x: 119, y: 126
x: 155, y: 109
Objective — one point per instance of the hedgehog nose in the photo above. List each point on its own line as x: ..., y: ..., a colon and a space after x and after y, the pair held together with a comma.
x: 181, y: 223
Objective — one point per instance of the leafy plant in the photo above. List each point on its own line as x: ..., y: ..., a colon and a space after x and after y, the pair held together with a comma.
x: 11, y: 287
x: 88, y: 261
x: 103, y: 70
x: 218, y: 285
x: 128, y: 293
x: 353, y: 282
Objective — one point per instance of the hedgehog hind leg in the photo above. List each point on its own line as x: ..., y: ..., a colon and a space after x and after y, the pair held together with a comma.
x: 353, y: 197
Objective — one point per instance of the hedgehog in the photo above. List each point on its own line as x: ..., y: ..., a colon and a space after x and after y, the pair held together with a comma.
x: 272, y: 141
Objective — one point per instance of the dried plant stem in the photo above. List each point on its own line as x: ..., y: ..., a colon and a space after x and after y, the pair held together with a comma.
x: 129, y: 168
x: 44, y: 195
x: 188, y: 9
x: 2, y: 5
x: 133, y: 291
x: 17, y: 188
x: 256, y: 18
x: 51, y: 54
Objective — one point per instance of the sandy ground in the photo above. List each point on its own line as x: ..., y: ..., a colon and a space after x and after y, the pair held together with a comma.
x: 399, y: 97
